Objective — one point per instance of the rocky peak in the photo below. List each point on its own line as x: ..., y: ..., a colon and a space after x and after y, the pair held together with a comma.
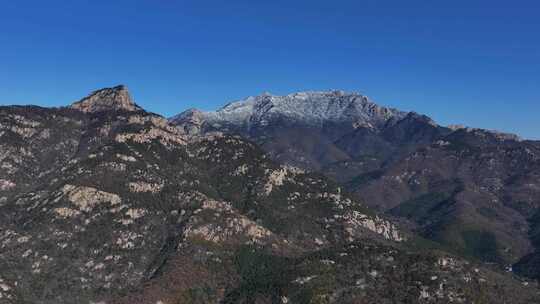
x: 413, y: 116
x: 189, y: 114
x: 482, y: 133
x: 116, y: 98
x: 190, y: 121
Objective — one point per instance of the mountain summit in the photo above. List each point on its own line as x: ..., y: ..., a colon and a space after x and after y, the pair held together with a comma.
x: 116, y: 98
x: 314, y: 129
x: 307, y: 108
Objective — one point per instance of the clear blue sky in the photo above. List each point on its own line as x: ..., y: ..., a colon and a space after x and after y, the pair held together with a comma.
x: 470, y: 62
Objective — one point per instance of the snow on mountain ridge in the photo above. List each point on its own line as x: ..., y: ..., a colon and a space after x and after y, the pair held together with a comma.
x: 311, y: 107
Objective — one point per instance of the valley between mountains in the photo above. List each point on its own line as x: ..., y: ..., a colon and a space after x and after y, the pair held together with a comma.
x: 314, y: 197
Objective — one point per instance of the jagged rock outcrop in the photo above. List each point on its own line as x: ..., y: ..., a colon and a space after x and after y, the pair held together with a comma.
x: 116, y: 98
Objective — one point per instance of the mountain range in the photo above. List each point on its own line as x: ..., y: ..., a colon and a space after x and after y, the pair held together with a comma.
x: 475, y: 192
x: 320, y: 197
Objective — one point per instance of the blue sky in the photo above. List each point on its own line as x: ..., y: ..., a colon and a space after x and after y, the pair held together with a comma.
x: 470, y: 62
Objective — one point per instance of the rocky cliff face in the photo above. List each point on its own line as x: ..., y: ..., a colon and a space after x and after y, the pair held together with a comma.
x: 102, y: 202
x: 117, y: 98
x: 473, y: 191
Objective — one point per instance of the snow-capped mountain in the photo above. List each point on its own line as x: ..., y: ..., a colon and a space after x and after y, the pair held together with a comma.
x: 307, y: 108
x: 315, y: 129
